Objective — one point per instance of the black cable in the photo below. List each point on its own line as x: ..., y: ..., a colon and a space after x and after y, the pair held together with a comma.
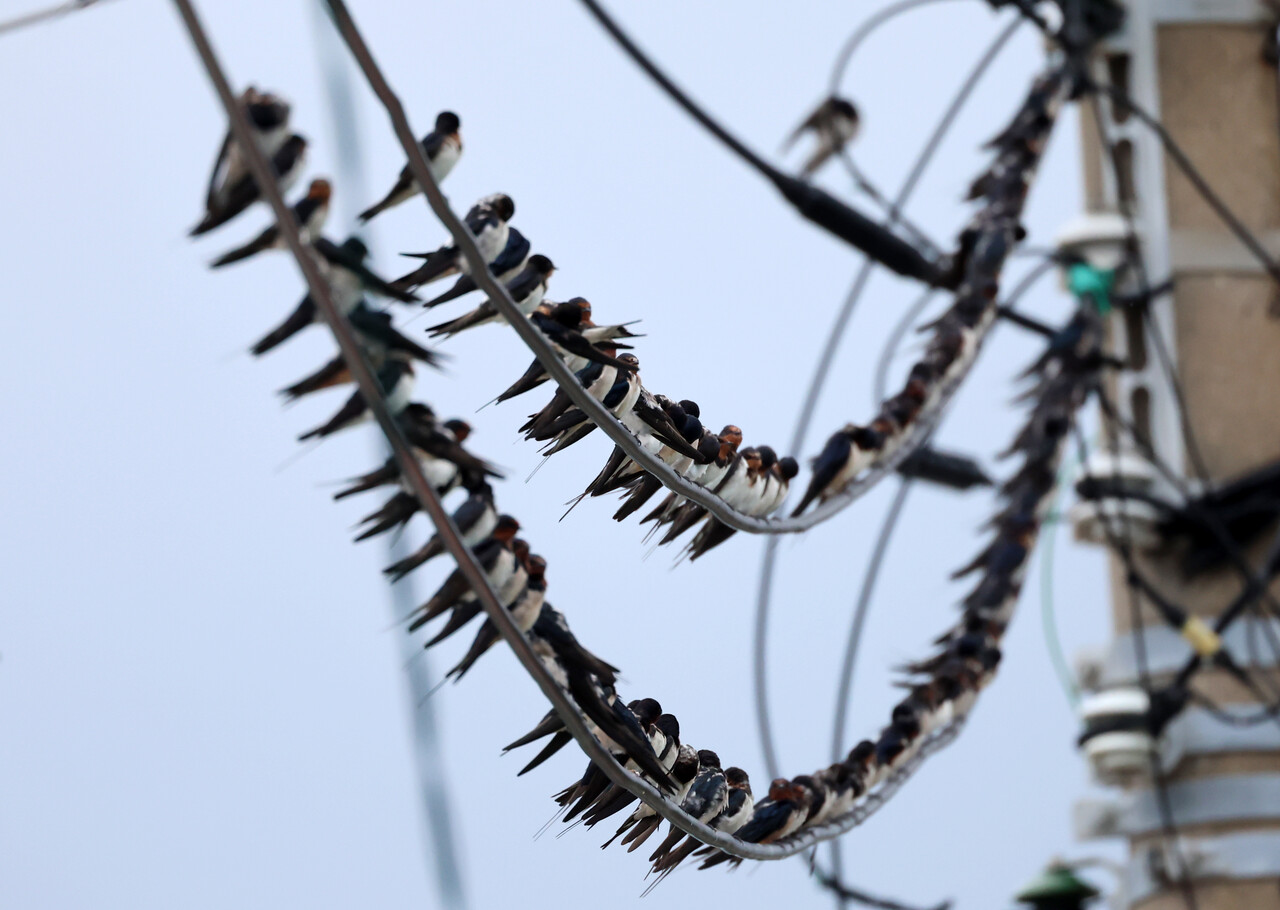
x: 1192, y: 173
x: 813, y: 203
x: 1146, y: 293
x: 1122, y: 545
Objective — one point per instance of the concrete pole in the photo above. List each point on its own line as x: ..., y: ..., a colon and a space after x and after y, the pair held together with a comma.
x: 1197, y: 65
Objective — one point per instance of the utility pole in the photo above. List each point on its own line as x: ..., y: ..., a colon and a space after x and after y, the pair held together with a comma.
x: 1197, y: 65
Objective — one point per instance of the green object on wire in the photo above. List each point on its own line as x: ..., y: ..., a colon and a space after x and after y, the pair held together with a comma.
x: 1084, y: 280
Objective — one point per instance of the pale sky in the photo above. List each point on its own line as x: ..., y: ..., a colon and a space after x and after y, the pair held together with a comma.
x: 202, y: 699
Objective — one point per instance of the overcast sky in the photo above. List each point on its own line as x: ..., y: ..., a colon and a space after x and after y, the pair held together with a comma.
x: 202, y: 700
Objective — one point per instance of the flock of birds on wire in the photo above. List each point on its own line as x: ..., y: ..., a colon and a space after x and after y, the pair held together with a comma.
x: 646, y: 740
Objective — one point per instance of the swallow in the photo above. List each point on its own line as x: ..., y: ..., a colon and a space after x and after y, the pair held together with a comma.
x: 759, y: 501
x: 287, y: 164
x: 560, y: 325
x: 348, y: 280
x: 781, y: 813
x: 637, y: 719
x: 524, y: 611
x: 526, y: 289
x: 573, y: 424
x: 506, y: 588
x: 442, y: 148
x: 378, y: 337
x: 664, y: 740
x: 704, y: 799
x: 834, y: 123
x: 684, y: 767
x: 641, y: 713
x: 688, y: 514
x: 475, y: 520
x: 488, y: 223
x: 508, y: 264
x: 309, y: 214
x: 737, y: 488
x: 269, y: 118
x: 737, y: 811
x: 684, y: 416
x: 641, y: 824
x: 614, y: 719
x: 596, y: 378
x: 496, y: 557
x: 438, y: 449
x: 847, y: 453
x: 395, y: 380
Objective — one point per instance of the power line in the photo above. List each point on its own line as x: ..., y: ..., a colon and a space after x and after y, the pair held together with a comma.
x: 813, y: 203
x: 411, y: 471
x: 822, y: 369
x: 795, y: 843
x: 437, y: 812
x: 44, y: 15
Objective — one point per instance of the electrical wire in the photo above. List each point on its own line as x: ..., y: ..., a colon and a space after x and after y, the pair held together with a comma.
x: 1197, y: 179
x: 813, y: 203
x: 822, y: 369
x: 411, y: 470
x: 440, y: 845
x: 44, y: 15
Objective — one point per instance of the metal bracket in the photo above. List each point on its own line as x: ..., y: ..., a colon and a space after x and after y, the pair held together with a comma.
x: 1253, y: 854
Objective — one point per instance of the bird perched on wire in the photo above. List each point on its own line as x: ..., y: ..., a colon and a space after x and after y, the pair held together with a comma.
x: 488, y: 222
x: 309, y: 214
x: 442, y: 148
x: 475, y: 520
x: 527, y: 290
x: 378, y: 337
x: 496, y: 557
x: 834, y: 124
x: 737, y: 811
x: 781, y: 813
x: 843, y: 458
x: 232, y: 188
x: 395, y: 381
x: 505, y: 267
x: 349, y: 280
x: 524, y: 612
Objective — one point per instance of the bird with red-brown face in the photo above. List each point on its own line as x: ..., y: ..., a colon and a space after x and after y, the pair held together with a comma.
x: 442, y: 148
x: 309, y: 216
x: 497, y: 559
x: 524, y: 612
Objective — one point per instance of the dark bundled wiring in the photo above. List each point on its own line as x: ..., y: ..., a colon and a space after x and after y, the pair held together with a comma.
x: 835, y: 336
x: 813, y: 203
x: 838, y: 72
